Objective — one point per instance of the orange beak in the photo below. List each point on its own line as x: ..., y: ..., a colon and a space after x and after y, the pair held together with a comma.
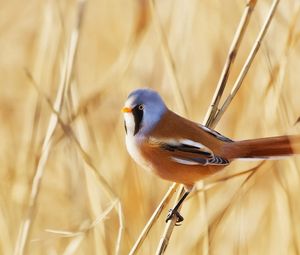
x: 126, y: 109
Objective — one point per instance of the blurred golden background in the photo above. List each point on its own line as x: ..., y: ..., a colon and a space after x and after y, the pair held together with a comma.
x: 68, y: 185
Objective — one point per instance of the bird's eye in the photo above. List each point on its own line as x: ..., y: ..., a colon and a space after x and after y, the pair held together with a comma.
x: 141, y: 107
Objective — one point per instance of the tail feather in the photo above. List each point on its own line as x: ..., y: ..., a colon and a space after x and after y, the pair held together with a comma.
x: 263, y: 147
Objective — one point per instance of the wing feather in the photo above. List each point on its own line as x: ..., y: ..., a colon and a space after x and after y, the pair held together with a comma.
x: 188, y: 152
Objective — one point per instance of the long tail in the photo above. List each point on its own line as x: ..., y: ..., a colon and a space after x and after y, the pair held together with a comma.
x: 263, y: 147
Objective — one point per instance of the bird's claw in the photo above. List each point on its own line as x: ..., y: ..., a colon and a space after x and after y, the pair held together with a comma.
x: 171, y: 214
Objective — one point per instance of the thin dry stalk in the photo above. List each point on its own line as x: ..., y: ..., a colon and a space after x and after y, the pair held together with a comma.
x: 39, y: 65
x: 237, y: 195
x: 211, y: 183
x: 164, y: 241
x: 80, y: 234
x: 233, y: 50
x: 219, y: 91
x: 279, y: 101
x: 73, y: 246
x: 85, y: 227
x: 204, y: 218
x: 170, y: 63
x: 119, y: 68
x: 87, y: 159
x: 73, y: 98
x: 26, y: 226
x: 171, y: 68
x: 113, y: 76
x: 247, y: 64
x: 279, y: 70
x: 166, y: 199
x: 208, y: 120
x: 163, y: 244
x: 121, y: 228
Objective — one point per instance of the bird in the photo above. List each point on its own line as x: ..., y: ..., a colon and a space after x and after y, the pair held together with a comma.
x: 182, y: 151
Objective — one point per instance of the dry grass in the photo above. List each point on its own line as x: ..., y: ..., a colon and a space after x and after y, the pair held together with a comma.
x: 65, y: 172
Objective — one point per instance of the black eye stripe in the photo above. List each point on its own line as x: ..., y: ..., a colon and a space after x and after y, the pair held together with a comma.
x: 138, y: 113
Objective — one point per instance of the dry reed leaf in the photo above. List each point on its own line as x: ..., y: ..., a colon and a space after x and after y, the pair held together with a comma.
x: 119, y: 49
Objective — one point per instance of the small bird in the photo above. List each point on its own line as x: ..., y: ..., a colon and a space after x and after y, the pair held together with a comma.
x: 182, y: 151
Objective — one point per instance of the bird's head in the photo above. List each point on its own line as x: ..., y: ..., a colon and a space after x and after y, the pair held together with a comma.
x: 143, y: 109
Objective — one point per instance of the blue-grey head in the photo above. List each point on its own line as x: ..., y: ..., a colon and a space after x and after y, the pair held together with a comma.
x: 142, y: 111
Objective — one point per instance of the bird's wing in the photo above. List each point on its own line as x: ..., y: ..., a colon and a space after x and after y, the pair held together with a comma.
x: 188, y: 152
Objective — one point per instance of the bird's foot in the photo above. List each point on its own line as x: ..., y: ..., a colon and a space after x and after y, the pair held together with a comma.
x: 172, y: 213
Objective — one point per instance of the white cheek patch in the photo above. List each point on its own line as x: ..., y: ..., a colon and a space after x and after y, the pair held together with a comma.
x: 130, y: 124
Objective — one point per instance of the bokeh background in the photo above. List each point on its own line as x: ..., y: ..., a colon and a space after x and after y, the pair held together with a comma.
x: 88, y: 185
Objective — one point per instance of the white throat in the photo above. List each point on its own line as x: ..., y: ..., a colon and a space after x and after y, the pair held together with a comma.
x: 130, y: 124
x: 133, y: 143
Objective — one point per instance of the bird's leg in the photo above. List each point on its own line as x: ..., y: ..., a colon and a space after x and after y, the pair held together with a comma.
x: 174, y: 212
